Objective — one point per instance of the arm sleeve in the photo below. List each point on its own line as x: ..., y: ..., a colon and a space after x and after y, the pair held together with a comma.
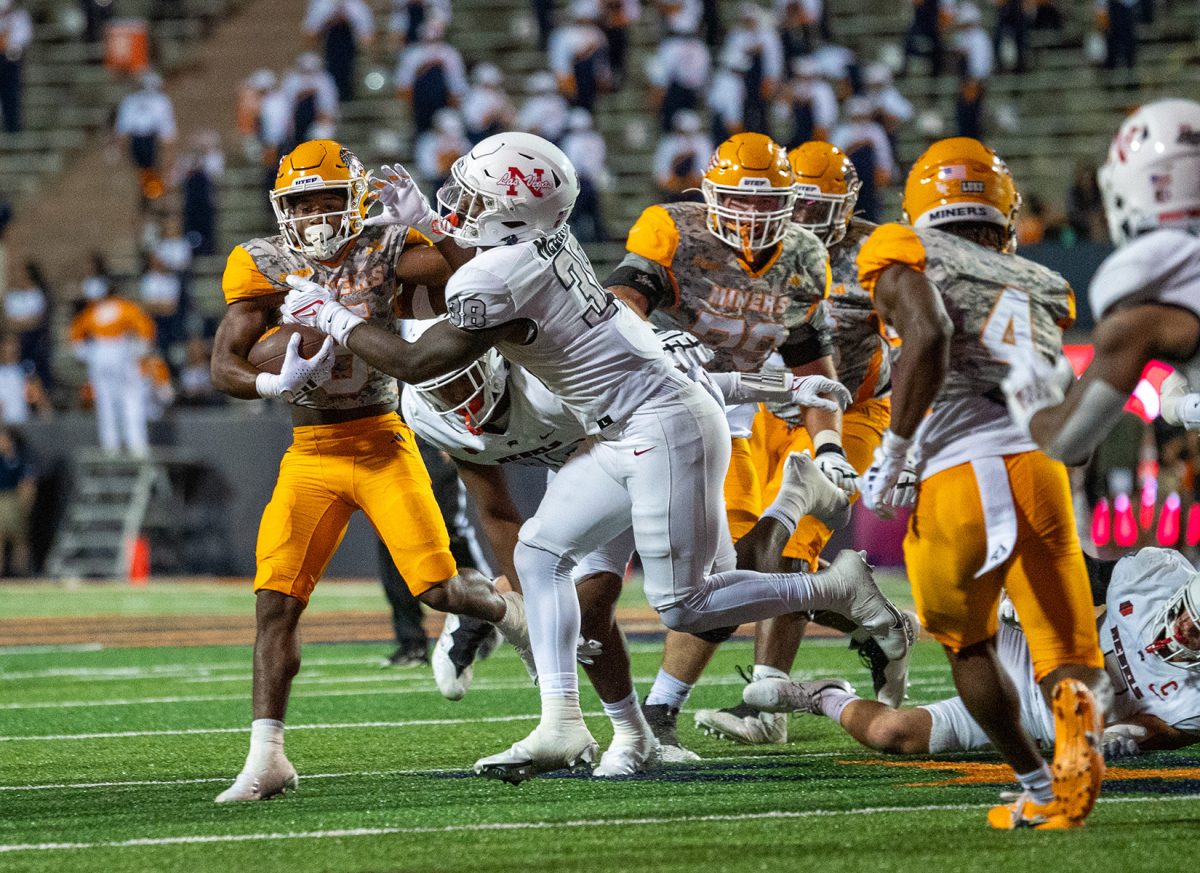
x: 243, y: 279
x: 888, y: 244
x: 811, y: 340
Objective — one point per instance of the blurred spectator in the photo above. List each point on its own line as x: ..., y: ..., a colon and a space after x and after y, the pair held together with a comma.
x: 111, y: 336
x: 865, y: 142
x: 809, y: 103
x: 407, y: 17
x: 1011, y: 21
x: 889, y: 107
x: 1085, y: 208
x: 543, y: 16
x: 683, y: 16
x: 312, y: 101
x: 16, y: 33
x: 21, y: 391
x: 437, y: 149
x: 1047, y: 16
x: 27, y: 316
x: 345, y: 26
x: 146, y: 123
x: 1031, y: 222
x: 615, y: 18
x: 1118, y: 19
x: 265, y: 120
x: 800, y: 26
x: 161, y: 293
x: 678, y: 71
x: 487, y: 109
x: 680, y: 159
x: 172, y: 246
x: 924, y: 37
x: 710, y: 18
x: 197, y: 174
x: 430, y: 75
x: 839, y: 67
x: 18, y: 489
x: 96, y: 14
x: 195, y: 379
x: 727, y: 96
x: 97, y: 284
x: 585, y: 148
x: 544, y: 111
x: 579, y: 56
x: 756, y: 39
x: 974, y: 50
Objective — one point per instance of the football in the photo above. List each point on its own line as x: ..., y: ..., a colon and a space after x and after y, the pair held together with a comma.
x: 268, y: 353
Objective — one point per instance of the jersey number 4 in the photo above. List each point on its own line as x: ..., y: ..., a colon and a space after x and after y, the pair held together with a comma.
x: 1009, y: 326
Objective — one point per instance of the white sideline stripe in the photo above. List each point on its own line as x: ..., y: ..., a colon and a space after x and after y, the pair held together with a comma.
x: 48, y: 649
x: 532, y: 825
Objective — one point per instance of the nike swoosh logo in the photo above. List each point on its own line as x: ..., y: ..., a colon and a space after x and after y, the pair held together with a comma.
x: 638, y: 452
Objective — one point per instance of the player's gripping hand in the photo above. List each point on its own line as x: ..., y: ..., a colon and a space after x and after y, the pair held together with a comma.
x: 315, y: 306
x: 687, y: 352
x: 884, y: 476
x: 1179, y: 405
x: 1121, y: 741
x: 807, y: 391
x: 1033, y: 384
x: 403, y: 203
x: 831, y: 460
x: 297, y: 373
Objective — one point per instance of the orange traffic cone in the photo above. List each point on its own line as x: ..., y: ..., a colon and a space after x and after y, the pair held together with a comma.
x: 139, y: 561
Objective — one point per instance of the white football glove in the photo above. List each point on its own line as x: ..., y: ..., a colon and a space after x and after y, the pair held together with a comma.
x: 806, y: 391
x: 883, y: 477
x: 587, y: 651
x: 1033, y: 384
x: 1179, y: 406
x: 741, y: 419
x: 685, y: 350
x: 1121, y: 741
x: 831, y: 460
x: 316, y: 306
x: 403, y: 203
x: 298, y: 373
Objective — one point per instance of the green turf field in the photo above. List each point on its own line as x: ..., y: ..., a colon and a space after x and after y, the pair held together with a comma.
x: 109, y: 760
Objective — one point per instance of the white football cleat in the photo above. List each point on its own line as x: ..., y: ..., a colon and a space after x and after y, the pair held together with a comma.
x: 662, y: 720
x: 452, y: 682
x: 895, y: 673
x: 277, y: 776
x: 516, y: 631
x: 784, y: 695
x: 626, y: 757
x: 815, y: 493
x: 866, y: 604
x: 744, y: 724
x: 539, y: 753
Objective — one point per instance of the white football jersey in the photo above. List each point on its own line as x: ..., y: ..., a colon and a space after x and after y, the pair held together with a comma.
x: 537, y: 428
x: 1160, y: 267
x: 587, y: 347
x: 1144, y: 683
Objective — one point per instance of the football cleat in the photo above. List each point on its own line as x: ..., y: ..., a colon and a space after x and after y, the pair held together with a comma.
x: 744, y: 724
x: 540, y: 752
x: 1078, y: 767
x: 626, y: 757
x: 407, y: 656
x: 662, y: 720
x: 1025, y: 812
x: 277, y: 776
x: 867, y: 605
x: 889, y: 678
x: 458, y: 645
x: 783, y: 695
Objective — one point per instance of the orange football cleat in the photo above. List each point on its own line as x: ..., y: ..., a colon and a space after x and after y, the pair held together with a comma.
x: 1025, y: 812
x: 1078, y: 766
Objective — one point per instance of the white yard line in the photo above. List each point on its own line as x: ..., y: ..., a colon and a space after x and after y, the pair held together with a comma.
x: 50, y: 649
x: 482, y: 827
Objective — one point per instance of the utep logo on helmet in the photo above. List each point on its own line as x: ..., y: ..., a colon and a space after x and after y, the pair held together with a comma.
x: 536, y: 183
x: 753, y: 182
x: 307, y: 180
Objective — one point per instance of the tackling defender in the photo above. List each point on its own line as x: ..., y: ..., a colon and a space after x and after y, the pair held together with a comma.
x: 992, y: 512
x: 658, y: 444
x: 350, y: 450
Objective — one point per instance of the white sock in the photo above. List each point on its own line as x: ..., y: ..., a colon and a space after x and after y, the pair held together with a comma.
x: 266, y: 741
x: 833, y: 702
x: 785, y: 509
x: 627, y: 719
x: 762, y: 671
x: 559, y: 711
x: 669, y: 691
x: 1039, y: 784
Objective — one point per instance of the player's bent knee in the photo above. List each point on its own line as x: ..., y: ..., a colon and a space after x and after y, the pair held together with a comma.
x: 682, y: 618
x: 897, y: 733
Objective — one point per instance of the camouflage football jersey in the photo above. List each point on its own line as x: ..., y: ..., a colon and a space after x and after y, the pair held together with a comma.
x: 996, y: 303
x: 697, y: 283
x: 861, y: 354
x: 366, y: 282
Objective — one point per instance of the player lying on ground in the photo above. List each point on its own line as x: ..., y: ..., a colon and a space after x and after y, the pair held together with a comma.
x: 1145, y: 297
x: 658, y: 444
x: 492, y: 414
x: 1150, y: 635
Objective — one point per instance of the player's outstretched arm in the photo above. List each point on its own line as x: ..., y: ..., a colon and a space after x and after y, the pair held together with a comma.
x: 442, y: 349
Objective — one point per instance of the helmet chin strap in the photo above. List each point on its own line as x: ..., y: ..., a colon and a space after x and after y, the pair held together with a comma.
x: 320, y: 238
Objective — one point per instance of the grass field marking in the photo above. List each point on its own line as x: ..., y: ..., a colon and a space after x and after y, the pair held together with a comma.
x: 201, y: 780
x: 48, y: 649
x: 535, y: 825
x: 160, y: 670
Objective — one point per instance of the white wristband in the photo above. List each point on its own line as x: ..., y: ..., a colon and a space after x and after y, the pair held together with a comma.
x: 339, y: 322
x: 826, y: 438
x: 267, y: 386
x: 895, y: 445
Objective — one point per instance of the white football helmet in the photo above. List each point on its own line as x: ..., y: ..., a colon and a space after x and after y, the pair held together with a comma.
x: 1176, y: 628
x: 467, y: 398
x: 1151, y: 178
x: 510, y: 188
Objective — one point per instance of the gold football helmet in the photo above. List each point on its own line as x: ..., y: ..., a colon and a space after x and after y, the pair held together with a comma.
x: 320, y: 165
x: 748, y: 189
x: 826, y: 189
x: 961, y: 179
